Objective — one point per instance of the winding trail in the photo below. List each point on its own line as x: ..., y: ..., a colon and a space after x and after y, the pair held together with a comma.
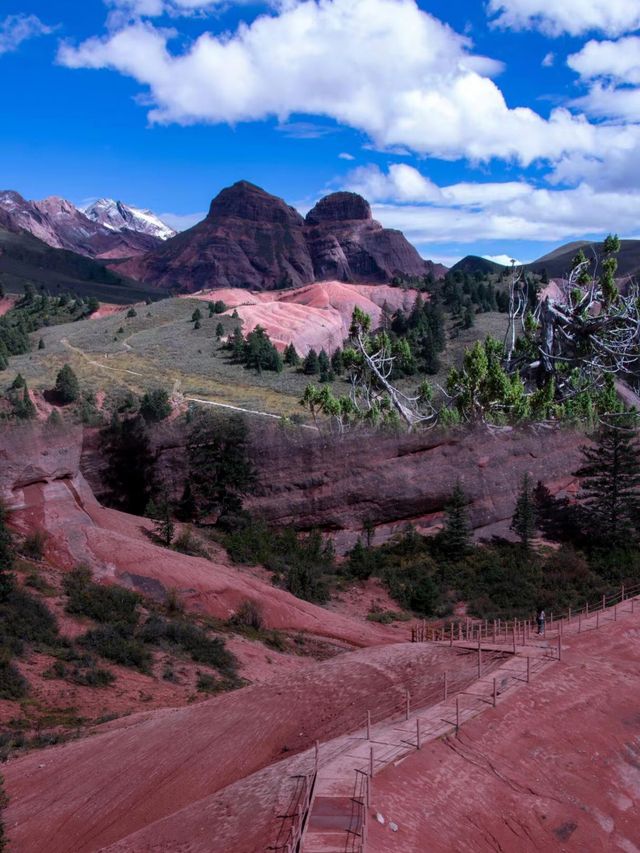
x: 68, y: 345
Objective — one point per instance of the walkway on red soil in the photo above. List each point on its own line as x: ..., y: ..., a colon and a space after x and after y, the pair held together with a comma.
x: 339, y: 813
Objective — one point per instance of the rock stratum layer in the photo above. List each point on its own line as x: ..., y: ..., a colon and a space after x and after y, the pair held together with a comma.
x: 254, y: 240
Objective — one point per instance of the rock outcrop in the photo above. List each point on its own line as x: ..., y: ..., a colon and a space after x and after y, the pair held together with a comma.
x: 254, y: 240
x: 338, y: 484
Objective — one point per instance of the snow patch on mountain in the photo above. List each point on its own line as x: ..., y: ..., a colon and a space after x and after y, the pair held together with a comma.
x: 118, y: 216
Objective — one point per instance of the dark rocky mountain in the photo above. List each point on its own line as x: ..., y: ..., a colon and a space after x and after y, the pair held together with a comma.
x: 558, y: 263
x: 473, y: 263
x: 255, y: 240
x: 58, y: 223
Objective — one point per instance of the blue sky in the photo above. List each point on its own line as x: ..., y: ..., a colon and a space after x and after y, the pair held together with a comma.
x: 486, y: 126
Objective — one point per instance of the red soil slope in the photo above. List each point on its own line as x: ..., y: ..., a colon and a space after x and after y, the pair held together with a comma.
x: 88, y: 794
x: 555, y: 767
x: 317, y: 315
x: 40, y: 480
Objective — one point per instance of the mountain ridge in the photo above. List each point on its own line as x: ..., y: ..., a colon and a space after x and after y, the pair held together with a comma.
x: 253, y: 239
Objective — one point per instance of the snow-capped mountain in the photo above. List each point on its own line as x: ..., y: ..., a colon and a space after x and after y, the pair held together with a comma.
x: 59, y: 223
x: 118, y: 216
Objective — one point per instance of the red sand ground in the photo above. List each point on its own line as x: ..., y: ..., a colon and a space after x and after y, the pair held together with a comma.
x: 317, y: 315
x: 107, y: 310
x: 555, y: 767
x: 6, y: 304
x: 85, y: 795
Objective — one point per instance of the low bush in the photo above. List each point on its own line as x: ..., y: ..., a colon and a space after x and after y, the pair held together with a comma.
x: 118, y: 644
x: 34, y: 545
x: 248, y: 615
x: 107, y: 604
x: 192, y: 640
x: 24, y: 618
x: 12, y: 684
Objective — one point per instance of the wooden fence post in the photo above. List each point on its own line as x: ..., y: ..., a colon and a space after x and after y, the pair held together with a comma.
x: 559, y: 647
x: 597, y: 618
x: 479, y: 657
x: 495, y: 692
x: 371, y: 763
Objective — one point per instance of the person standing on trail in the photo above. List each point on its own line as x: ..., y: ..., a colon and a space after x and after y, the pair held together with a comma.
x: 541, y: 618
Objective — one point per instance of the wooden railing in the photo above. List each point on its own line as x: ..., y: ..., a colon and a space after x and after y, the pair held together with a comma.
x: 519, y: 632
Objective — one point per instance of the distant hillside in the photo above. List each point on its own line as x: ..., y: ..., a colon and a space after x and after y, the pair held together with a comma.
x: 558, y: 263
x: 473, y: 264
x: 25, y: 259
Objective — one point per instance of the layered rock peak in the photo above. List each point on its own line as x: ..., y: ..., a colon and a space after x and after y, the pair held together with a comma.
x: 244, y: 200
x: 339, y: 207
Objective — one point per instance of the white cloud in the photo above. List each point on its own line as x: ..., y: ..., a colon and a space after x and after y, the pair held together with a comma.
x: 343, y: 155
x: 403, y: 77
x: 504, y: 260
x: 575, y: 17
x: 613, y: 60
x: 468, y: 213
x: 548, y: 60
x: 306, y: 129
x: 15, y: 29
x: 181, y: 221
x: 155, y: 8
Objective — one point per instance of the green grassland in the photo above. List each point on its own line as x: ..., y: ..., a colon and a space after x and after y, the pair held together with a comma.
x: 159, y: 347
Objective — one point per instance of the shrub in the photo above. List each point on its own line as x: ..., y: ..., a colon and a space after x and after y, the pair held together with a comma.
x: 118, y: 644
x: 192, y: 640
x: 130, y: 314
x: 106, y: 604
x: 248, y: 615
x: 12, y: 684
x: 206, y: 683
x: 33, y: 546
x: 187, y: 543
x: 24, y: 618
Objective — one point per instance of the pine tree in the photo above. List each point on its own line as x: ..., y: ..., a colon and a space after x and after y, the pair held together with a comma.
x: 67, y: 387
x: 163, y: 526
x: 219, y: 331
x: 291, y: 357
x: 310, y: 365
x: 337, y: 362
x: 610, y: 487
x: 523, y: 522
x: 196, y: 316
x: 456, y: 533
x: 6, y: 554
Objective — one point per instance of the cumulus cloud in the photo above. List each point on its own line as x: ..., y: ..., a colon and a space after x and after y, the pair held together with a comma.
x: 612, y: 71
x: 403, y: 77
x: 15, y: 29
x: 614, y: 60
x: 575, y: 17
x: 468, y: 212
x: 344, y: 155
